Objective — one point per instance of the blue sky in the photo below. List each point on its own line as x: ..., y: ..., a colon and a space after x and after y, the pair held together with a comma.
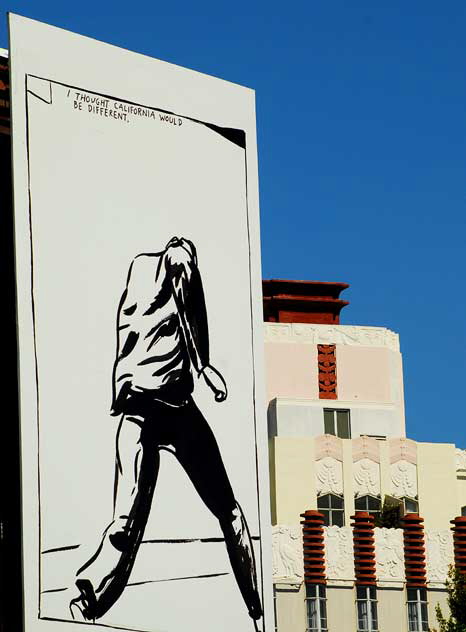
x: 361, y: 114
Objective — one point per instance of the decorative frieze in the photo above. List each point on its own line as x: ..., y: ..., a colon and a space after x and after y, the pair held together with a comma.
x: 403, y: 479
x: 329, y: 476
x: 332, y: 334
x: 439, y: 554
x: 339, y: 554
x: 403, y: 467
x: 366, y: 478
x: 287, y: 554
x: 366, y: 448
x: 402, y: 449
x: 389, y: 555
x: 328, y: 445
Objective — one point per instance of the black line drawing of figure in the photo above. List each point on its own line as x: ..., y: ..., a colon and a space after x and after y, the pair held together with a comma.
x: 162, y: 338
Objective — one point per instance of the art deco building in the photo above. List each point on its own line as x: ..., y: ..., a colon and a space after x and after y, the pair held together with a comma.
x: 341, y: 463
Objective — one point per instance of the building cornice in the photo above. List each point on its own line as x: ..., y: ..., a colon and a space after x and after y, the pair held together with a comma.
x: 350, y: 335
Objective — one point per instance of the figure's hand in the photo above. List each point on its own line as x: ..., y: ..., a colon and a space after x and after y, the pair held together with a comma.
x: 215, y: 382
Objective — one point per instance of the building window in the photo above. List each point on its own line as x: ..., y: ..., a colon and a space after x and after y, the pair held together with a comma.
x: 371, y: 504
x: 410, y: 505
x: 417, y: 610
x: 366, y: 602
x: 337, y: 422
x: 333, y: 509
x: 316, y: 608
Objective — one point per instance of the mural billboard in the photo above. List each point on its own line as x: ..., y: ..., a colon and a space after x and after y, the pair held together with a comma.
x: 143, y: 436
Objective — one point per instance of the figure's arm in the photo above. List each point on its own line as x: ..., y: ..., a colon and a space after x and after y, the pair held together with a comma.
x: 215, y: 382
x: 183, y: 274
x: 129, y: 308
x: 127, y: 332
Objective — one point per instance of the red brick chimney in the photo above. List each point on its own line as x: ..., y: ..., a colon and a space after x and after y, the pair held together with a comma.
x: 302, y: 301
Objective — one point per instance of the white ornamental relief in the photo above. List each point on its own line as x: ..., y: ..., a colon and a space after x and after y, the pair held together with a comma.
x: 389, y: 555
x: 366, y: 476
x: 332, y: 334
x: 287, y: 554
x: 439, y: 554
x: 339, y: 558
x: 403, y: 479
x: 329, y: 476
x: 460, y: 459
x: 277, y: 332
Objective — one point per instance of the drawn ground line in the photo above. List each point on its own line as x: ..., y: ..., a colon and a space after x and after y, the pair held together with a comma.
x: 93, y: 624
x: 150, y: 581
x: 59, y: 549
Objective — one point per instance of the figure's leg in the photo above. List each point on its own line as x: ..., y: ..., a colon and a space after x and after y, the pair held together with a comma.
x: 198, y: 453
x: 103, y: 578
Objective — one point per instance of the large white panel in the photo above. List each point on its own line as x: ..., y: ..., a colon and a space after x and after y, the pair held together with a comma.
x: 115, y: 154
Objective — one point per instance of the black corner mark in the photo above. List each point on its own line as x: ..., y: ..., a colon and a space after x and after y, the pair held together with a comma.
x: 236, y: 136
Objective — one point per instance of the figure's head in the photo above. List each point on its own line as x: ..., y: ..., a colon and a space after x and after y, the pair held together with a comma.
x: 184, y: 243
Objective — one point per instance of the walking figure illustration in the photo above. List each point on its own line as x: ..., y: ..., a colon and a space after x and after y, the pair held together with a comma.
x: 162, y: 340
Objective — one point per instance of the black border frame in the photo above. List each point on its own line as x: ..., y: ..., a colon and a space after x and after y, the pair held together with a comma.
x: 234, y: 135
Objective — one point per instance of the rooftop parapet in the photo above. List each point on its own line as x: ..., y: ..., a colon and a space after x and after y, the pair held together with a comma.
x: 302, y: 301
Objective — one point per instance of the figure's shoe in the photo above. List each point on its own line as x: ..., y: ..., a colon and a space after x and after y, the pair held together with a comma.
x: 77, y: 609
x: 85, y: 605
x: 241, y: 553
x: 256, y: 626
x: 255, y: 608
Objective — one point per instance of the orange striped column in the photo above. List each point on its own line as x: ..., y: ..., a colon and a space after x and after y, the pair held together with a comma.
x: 414, y: 549
x: 313, y: 547
x: 459, y: 542
x: 364, y: 548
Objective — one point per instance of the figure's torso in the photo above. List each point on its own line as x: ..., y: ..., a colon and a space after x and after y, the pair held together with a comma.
x: 152, y: 356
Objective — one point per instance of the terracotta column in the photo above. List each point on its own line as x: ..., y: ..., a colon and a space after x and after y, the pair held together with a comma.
x: 313, y: 547
x: 364, y: 548
x: 459, y: 542
x: 414, y: 549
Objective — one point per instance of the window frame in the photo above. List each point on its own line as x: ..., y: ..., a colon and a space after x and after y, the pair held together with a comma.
x: 370, y: 601
x: 335, y: 411
x: 419, y: 602
x: 372, y: 512
x: 275, y: 611
x: 328, y: 511
x: 408, y: 499
x: 319, y: 598
x: 378, y: 437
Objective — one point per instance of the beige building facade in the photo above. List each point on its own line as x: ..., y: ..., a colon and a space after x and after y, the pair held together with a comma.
x: 338, y: 446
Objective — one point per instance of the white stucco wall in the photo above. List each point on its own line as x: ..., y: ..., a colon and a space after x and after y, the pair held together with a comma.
x: 304, y: 418
x: 369, y: 378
